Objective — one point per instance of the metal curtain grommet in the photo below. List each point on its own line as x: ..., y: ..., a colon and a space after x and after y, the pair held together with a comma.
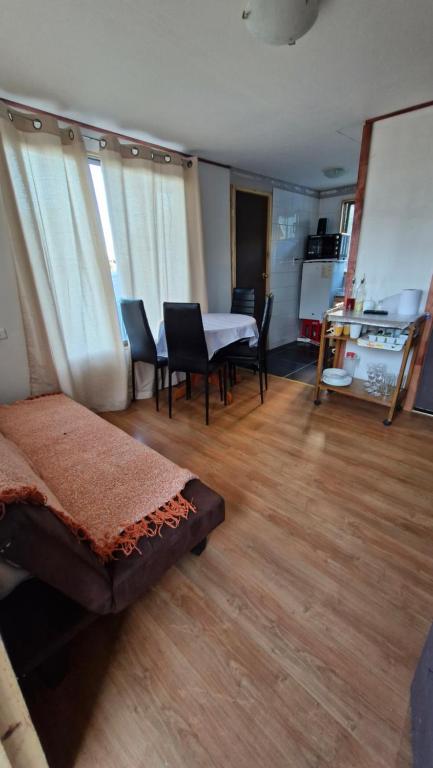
x: 167, y: 158
x: 37, y: 124
x: 102, y: 143
x: 10, y: 116
x: 71, y: 134
x: 134, y: 151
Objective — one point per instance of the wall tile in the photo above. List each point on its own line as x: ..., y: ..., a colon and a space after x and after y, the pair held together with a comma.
x: 294, y: 217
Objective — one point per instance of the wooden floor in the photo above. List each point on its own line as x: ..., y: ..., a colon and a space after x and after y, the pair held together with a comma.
x: 292, y: 641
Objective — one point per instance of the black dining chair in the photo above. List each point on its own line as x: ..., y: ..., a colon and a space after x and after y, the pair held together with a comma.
x: 243, y: 301
x: 254, y: 357
x: 141, y: 341
x: 187, y: 350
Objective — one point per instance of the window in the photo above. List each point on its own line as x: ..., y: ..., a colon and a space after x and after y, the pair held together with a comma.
x: 347, y: 214
x: 143, y: 208
x: 101, y: 199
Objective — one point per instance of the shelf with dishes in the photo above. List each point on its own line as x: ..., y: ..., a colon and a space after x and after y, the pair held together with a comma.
x: 357, y: 388
x: 381, y: 341
x: 344, y: 331
x: 390, y: 333
x: 378, y: 388
x: 388, y: 343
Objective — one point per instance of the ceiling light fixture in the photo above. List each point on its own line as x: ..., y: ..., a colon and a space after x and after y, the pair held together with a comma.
x: 280, y: 22
x: 333, y: 173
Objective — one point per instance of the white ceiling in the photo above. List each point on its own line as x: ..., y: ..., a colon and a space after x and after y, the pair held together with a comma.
x: 187, y: 73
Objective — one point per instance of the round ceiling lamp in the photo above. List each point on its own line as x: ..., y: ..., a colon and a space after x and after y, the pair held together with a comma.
x: 280, y: 22
x: 333, y: 173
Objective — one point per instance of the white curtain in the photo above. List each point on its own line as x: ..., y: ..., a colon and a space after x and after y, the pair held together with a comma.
x: 68, y: 304
x: 155, y: 213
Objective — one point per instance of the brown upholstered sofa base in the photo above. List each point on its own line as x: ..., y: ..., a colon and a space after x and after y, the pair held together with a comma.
x: 72, y: 586
x: 38, y: 541
x: 37, y: 622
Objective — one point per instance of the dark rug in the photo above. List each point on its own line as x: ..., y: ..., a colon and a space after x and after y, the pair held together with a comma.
x: 294, y: 361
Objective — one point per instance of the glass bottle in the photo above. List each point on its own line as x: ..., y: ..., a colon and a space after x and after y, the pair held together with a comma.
x: 361, y: 294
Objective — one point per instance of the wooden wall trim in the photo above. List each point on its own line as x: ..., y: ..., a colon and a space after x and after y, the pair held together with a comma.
x: 359, y: 204
x: 233, y: 233
x: 422, y: 349
x: 398, y: 112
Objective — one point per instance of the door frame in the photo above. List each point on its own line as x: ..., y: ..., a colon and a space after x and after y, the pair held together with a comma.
x: 233, y: 189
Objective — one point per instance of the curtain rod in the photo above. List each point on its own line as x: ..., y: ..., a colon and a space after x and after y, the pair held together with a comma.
x: 90, y: 127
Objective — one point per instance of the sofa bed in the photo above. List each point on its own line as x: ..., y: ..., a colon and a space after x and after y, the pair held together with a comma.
x: 88, y: 512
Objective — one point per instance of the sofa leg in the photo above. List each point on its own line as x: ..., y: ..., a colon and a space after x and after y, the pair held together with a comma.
x: 200, y: 547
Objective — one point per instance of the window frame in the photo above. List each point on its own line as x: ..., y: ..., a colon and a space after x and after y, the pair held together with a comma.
x: 345, y: 204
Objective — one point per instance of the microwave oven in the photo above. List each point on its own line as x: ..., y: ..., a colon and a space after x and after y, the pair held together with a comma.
x: 327, y: 246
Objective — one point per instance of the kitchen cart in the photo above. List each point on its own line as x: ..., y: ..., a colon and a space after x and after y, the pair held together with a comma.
x: 411, y: 325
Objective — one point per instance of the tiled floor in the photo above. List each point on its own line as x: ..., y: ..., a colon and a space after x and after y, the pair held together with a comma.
x: 294, y: 361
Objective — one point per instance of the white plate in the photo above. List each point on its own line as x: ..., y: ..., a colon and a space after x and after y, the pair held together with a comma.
x: 335, y: 373
x: 341, y: 382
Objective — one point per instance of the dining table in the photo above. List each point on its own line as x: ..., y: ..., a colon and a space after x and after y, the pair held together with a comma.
x: 220, y: 330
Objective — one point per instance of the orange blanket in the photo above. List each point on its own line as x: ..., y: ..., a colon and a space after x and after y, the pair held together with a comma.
x: 112, y: 489
x: 19, y: 481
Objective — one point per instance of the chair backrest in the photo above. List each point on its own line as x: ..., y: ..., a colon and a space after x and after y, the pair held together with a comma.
x: 266, y: 319
x: 140, y: 336
x: 243, y: 301
x: 186, y: 342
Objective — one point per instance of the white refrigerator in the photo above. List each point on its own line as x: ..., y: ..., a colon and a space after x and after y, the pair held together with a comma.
x: 322, y: 279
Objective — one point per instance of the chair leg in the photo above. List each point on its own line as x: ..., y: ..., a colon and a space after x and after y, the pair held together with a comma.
x: 225, y: 382
x: 220, y: 381
x: 188, y: 387
x: 231, y: 374
x: 261, y: 381
x: 170, y: 393
x: 133, y: 379
x: 265, y: 368
x: 206, y: 391
x: 156, y: 388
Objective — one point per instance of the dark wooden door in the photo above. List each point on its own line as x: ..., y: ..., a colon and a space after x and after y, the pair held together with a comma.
x: 251, y: 245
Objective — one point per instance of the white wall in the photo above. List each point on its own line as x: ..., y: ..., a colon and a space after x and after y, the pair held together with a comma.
x: 14, y: 374
x: 294, y: 217
x: 396, y: 240
x: 215, y: 200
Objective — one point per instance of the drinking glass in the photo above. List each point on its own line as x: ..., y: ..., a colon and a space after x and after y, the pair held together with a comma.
x: 371, y: 378
x: 380, y: 381
x: 390, y: 382
x: 380, y: 374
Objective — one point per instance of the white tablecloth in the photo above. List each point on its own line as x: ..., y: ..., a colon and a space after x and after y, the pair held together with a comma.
x: 220, y: 329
